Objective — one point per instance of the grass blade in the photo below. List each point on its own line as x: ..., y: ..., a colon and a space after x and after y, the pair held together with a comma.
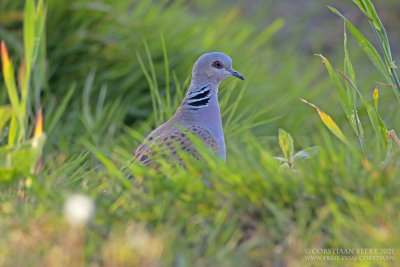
x: 376, y: 121
x: 369, y: 11
x: 112, y: 169
x: 343, y: 96
x: 167, y: 78
x: 8, y: 75
x: 352, y: 95
x: 29, y: 33
x: 366, y: 46
x: 329, y: 123
x: 5, y: 115
x: 154, y: 102
x: 60, y: 110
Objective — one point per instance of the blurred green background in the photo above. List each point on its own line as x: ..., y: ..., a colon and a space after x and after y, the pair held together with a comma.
x: 97, y: 106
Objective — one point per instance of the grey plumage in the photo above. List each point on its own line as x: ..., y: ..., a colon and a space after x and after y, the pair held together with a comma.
x: 199, y: 112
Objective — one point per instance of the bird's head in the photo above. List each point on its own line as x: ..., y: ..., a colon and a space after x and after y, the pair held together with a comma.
x: 215, y: 67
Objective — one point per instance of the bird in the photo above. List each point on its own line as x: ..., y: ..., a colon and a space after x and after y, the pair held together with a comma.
x: 199, y: 113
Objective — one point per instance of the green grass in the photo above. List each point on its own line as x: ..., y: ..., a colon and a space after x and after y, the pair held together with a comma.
x: 106, y: 73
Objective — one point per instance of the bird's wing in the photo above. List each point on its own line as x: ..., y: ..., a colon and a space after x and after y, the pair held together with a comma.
x: 170, y: 142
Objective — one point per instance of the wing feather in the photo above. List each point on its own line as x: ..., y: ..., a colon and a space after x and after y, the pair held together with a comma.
x: 169, y: 144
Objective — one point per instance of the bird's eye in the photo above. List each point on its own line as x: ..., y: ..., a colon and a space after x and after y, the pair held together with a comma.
x: 217, y: 64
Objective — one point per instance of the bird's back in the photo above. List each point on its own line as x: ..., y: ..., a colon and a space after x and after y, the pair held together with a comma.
x: 168, y: 139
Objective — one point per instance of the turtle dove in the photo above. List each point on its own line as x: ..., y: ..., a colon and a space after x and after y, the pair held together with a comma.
x: 198, y: 114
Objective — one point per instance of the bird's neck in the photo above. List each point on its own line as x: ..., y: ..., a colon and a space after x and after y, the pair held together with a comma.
x: 201, y: 107
x: 199, y: 97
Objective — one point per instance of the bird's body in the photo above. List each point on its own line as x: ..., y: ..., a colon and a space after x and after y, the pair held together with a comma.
x: 198, y: 114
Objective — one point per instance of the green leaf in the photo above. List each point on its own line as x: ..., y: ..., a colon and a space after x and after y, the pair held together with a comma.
x: 372, y: 15
x: 286, y: 144
x: 369, y: 11
x: 281, y: 159
x: 20, y: 159
x: 306, y: 153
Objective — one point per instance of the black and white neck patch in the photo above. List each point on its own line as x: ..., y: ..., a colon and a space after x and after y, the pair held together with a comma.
x: 199, y: 99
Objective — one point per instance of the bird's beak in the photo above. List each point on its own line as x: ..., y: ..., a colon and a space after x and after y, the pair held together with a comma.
x: 236, y: 74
